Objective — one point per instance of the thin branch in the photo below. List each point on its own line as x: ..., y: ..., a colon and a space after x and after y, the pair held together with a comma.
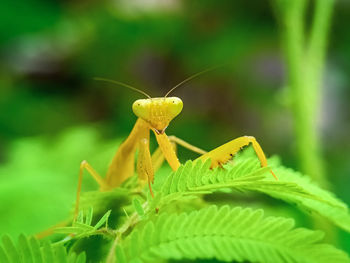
x: 130, y: 222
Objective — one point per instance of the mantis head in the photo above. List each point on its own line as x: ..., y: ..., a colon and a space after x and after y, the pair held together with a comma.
x: 158, y: 112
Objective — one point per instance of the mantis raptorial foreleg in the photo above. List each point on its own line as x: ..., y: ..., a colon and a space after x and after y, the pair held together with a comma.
x: 145, y: 169
x: 167, y: 150
x: 147, y: 165
x: 225, y: 152
x: 165, y: 144
x: 158, y: 157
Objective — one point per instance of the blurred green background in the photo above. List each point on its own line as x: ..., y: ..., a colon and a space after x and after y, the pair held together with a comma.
x: 53, y: 114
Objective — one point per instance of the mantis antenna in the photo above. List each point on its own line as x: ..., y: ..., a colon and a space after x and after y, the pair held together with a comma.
x: 189, y: 78
x: 124, y: 85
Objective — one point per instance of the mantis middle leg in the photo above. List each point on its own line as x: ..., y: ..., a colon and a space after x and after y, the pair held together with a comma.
x: 186, y: 145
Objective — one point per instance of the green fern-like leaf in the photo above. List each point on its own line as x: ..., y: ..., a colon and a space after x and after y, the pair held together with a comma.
x: 226, y: 234
x: 326, y: 204
x: 30, y: 250
x: 101, y: 201
x: 82, y: 226
x: 247, y: 175
x: 197, y: 177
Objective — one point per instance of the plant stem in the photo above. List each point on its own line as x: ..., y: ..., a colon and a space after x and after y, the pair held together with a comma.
x: 315, y: 58
x: 305, y: 64
x: 130, y: 222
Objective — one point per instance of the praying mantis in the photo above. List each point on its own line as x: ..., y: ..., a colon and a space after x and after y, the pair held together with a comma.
x: 155, y: 114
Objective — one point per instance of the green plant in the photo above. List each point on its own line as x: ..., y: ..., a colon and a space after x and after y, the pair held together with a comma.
x: 30, y: 250
x: 180, y: 222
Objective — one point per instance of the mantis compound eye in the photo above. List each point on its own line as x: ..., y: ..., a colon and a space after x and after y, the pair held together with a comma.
x: 174, y: 106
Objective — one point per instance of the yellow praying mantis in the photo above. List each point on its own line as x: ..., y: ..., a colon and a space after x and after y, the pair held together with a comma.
x: 155, y: 114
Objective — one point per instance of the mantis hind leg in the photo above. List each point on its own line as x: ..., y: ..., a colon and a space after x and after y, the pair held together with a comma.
x: 225, y: 152
x: 102, y: 183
